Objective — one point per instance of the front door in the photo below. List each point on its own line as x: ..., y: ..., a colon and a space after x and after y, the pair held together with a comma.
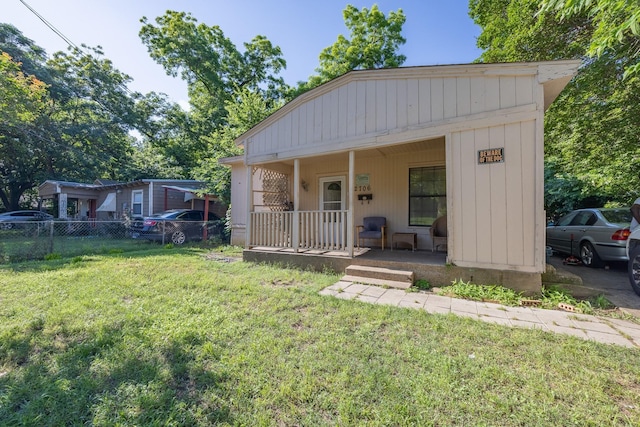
x: 332, y: 205
x: 332, y: 193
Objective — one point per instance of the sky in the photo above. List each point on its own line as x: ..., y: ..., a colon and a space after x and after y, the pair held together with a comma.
x: 437, y: 31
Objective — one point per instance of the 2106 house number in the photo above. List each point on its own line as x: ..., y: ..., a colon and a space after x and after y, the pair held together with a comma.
x: 362, y: 188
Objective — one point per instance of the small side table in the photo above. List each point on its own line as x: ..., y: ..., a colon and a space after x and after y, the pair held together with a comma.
x: 409, y: 238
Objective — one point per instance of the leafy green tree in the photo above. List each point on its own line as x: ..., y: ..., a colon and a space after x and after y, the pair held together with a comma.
x: 22, y: 97
x: 210, y: 63
x: 374, y: 42
x: 247, y: 110
x: 514, y: 30
x: 616, y: 22
x: 78, y: 129
x: 22, y: 101
x: 219, y: 76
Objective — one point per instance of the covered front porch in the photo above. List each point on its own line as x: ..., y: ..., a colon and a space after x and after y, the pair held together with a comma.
x: 316, y: 204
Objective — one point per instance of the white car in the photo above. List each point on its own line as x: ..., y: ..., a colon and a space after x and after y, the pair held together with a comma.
x: 17, y: 219
x: 633, y: 251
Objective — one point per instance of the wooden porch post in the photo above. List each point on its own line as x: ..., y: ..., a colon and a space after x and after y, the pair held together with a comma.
x: 351, y: 183
x: 206, y: 217
x: 296, y: 202
x: 249, y: 184
x: 166, y: 196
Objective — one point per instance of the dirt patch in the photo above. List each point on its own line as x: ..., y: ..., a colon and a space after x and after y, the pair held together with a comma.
x: 213, y: 256
x: 279, y: 283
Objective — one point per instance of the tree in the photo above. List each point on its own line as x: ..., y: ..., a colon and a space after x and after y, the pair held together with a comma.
x: 513, y: 30
x: 617, y: 23
x: 374, y: 43
x: 21, y: 96
x: 22, y: 101
x: 210, y: 63
x: 247, y: 110
x: 218, y: 75
x: 74, y: 127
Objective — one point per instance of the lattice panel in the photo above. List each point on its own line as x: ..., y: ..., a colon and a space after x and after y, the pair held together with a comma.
x: 275, y: 189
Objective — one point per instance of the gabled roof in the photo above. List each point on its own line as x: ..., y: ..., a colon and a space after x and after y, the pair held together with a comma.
x: 554, y: 75
x: 367, y: 109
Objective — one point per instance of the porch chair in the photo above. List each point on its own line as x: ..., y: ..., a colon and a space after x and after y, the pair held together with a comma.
x: 438, y: 233
x: 373, y: 227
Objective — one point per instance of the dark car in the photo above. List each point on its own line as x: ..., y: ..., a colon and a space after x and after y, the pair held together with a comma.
x: 16, y: 219
x: 594, y: 235
x: 176, y: 226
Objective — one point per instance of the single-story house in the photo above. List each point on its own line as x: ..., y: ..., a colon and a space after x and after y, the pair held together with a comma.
x: 113, y: 200
x: 411, y: 145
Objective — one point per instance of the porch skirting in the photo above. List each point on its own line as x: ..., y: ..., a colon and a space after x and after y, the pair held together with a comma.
x: 424, y: 264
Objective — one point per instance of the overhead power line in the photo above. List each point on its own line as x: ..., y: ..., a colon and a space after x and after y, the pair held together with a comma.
x: 50, y: 25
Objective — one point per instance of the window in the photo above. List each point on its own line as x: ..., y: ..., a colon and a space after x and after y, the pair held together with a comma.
x: 427, y: 195
x: 584, y: 218
x: 136, y: 202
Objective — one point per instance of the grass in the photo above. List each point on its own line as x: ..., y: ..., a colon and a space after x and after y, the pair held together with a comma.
x: 17, y: 248
x: 183, y: 337
x: 550, y: 298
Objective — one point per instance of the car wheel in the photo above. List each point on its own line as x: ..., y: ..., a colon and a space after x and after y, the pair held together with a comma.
x: 589, y: 256
x: 634, y: 269
x: 6, y: 225
x: 178, y: 237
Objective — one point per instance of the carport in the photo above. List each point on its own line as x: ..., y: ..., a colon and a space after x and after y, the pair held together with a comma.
x: 191, y: 194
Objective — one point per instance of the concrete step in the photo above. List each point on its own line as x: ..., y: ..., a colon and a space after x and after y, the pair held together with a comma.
x: 380, y: 276
x: 376, y: 282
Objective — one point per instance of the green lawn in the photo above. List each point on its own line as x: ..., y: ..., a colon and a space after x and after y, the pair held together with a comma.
x: 174, y: 337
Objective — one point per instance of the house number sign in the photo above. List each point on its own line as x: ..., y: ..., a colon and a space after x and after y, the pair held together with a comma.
x: 492, y: 155
x: 362, y: 182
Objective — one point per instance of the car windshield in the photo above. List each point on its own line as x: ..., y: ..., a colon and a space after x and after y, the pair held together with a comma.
x: 617, y: 216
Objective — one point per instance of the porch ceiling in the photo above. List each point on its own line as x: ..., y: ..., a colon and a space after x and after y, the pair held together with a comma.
x: 391, y: 150
x: 385, y: 151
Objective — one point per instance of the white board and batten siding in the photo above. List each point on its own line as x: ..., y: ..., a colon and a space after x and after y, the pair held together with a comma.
x: 365, y: 108
x: 495, y: 211
x: 493, y: 207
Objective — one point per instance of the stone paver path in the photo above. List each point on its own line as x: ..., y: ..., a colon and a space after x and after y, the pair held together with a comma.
x: 601, y: 329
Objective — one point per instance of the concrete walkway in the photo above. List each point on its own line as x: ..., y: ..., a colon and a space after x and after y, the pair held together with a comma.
x: 600, y: 329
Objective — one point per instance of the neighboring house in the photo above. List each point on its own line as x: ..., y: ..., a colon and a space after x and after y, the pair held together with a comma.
x: 409, y: 144
x: 106, y: 200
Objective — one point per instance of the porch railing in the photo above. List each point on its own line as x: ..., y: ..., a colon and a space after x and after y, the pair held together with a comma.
x: 322, y: 230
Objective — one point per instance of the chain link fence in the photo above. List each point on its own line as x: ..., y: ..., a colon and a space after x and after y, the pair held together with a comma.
x: 34, y: 240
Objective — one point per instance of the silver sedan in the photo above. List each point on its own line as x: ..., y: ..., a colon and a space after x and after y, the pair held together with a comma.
x: 594, y: 235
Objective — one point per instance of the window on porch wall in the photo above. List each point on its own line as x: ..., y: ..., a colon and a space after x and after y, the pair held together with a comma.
x: 427, y: 195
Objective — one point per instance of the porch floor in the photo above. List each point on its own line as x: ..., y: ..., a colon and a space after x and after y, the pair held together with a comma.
x: 366, y: 256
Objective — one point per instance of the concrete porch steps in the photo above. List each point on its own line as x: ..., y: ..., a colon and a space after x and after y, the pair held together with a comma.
x: 378, y: 276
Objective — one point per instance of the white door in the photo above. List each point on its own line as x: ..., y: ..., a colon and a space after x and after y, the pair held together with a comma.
x: 332, y: 203
x: 332, y: 193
